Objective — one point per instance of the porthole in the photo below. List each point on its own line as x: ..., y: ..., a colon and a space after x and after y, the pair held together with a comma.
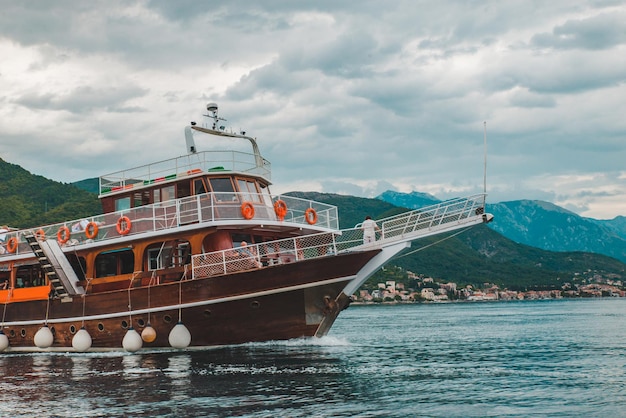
x: 124, y: 324
x: 255, y: 304
x: 53, y: 331
x: 23, y: 332
x: 207, y: 313
x: 12, y: 333
x: 72, y: 329
x: 141, y: 322
x: 100, y: 326
x: 167, y: 318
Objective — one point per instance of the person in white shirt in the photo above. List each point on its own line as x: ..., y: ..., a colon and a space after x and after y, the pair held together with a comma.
x: 3, y: 232
x: 369, y: 228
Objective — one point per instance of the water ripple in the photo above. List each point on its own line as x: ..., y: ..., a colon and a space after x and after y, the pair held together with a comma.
x: 559, y: 358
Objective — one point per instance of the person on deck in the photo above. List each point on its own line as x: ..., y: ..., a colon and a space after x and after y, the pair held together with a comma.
x: 80, y: 226
x: 243, y: 250
x: 369, y: 228
x: 3, y: 233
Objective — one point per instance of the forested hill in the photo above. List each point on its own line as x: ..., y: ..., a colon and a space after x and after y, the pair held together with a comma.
x: 28, y: 200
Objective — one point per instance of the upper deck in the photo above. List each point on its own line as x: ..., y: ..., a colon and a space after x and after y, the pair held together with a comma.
x: 184, y: 166
x: 194, y: 163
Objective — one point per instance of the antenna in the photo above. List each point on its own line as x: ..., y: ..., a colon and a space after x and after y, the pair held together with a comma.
x: 485, y: 164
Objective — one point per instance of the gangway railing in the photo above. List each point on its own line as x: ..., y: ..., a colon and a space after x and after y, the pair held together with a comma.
x: 446, y: 216
x: 433, y: 218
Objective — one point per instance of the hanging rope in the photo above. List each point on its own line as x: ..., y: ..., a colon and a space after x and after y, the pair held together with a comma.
x: 180, y: 300
x: 130, y: 306
x: 86, y: 287
x: 4, y: 313
x: 152, y: 280
x: 47, y: 310
x: 84, y: 303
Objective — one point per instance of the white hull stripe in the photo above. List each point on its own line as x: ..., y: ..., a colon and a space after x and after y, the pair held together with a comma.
x: 179, y: 306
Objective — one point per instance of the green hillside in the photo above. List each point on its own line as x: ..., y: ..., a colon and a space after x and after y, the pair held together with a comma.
x: 28, y: 200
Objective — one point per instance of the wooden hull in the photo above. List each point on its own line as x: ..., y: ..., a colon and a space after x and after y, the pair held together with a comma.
x: 273, y: 303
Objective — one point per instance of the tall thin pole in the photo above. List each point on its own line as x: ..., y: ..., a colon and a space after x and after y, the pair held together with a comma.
x: 485, y: 167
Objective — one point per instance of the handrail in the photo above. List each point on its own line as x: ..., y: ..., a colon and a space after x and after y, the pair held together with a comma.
x: 408, y: 226
x: 433, y: 217
x: 198, y: 209
x: 183, y: 166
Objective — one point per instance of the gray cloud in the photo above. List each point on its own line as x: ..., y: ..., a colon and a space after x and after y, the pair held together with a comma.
x: 347, y: 97
x: 600, y: 32
x: 84, y: 99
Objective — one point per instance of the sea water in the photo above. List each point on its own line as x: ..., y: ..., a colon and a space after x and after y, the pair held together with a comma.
x: 506, y: 359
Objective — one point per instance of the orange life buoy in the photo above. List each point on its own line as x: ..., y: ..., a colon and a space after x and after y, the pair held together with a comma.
x: 123, y: 225
x: 247, y: 210
x: 91, y: 230
x: 12, y: 245
x: 311, y: 216
x: 40, y: 235
x: 280, y: 207
x: 63, y: 235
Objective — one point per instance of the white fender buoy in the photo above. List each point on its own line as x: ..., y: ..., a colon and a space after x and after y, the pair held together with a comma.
x: 43, y: 337
x: 4, y: 341
x: 132, y: 340
x: 81, y: 340
x: 179, y: 337
x: 148, y: 334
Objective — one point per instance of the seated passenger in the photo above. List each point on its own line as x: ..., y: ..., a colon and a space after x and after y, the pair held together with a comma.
x: 80, y: 226
x: 244, y: 251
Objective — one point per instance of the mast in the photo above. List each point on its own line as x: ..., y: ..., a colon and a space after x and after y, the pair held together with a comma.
x: 215, y: 130
x: 485, y: 162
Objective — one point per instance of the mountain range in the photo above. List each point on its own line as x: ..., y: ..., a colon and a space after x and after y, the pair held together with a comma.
x: 540, y: 224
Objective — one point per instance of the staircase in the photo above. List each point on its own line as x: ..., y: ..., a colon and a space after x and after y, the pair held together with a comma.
x: 61, y: 275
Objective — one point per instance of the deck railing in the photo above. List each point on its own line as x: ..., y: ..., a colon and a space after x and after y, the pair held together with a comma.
x: 408, y: 226
x: 207, y: 208
x: 176, y: 168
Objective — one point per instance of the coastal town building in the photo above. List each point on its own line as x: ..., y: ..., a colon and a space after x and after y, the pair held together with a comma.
x: 429, y: 289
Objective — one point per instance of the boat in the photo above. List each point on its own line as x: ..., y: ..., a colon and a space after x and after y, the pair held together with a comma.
x: 196, y: 252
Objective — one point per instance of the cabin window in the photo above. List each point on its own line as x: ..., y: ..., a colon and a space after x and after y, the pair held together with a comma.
x: 239, y: 238
x: 141, y: 198
x: 183, y: 189
x: 30, y: 276
x: 123, y: 203
x: 79, y: 265
x: 223, y: 189
x: 168, y: 254
x: 164, y: 194
x: 199, y: 187
x: 168, y: 193
x: 267, y: 197
x: 116, y: 262
x: 248, y: 190
x: 5, y: 277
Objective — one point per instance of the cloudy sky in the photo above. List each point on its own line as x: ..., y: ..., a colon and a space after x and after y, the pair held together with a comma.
x: 353, y: 97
